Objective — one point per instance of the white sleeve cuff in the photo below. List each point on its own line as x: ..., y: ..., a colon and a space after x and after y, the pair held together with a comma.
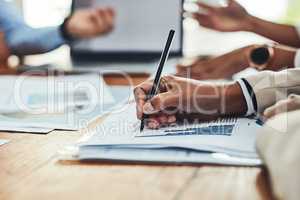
x: 297, y: 59
x: 250, y: 107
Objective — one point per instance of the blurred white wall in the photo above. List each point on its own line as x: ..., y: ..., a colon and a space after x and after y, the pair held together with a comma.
x: 41, y: 13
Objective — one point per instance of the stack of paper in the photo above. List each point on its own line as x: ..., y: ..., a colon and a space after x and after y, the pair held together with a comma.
x: 41, y: 104
x: 224, y: 141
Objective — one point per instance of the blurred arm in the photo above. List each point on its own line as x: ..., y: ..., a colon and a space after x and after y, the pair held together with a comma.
x: 284, y: 34
x: 234, y: 17
x: 24, y: 40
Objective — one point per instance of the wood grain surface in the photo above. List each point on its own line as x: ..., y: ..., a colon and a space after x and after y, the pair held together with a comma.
x: 30, y: 169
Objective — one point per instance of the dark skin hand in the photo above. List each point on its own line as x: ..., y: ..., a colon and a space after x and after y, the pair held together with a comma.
x: 181, y: 96
x: 228, y: 64
x: 235, y: 17
x: 216, y: 68
x: 87, y: 23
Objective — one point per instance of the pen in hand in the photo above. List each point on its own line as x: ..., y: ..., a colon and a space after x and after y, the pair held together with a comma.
x: 156, y: 82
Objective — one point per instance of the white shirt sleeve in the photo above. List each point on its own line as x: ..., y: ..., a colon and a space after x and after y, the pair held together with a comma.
x: 297, y: 59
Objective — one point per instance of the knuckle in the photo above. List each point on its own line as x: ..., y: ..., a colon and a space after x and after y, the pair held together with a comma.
x: 156, y: 102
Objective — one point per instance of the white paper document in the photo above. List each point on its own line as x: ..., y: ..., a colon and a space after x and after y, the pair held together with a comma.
x: 224, y: 141
x: 24, y: 129
x: 51, y: 94
x: 42, y: 104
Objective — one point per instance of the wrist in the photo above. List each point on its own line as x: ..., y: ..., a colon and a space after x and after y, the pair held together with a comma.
x: 221, y: 99
x: 251, y: 23
x: 246, y: 51
x: 284, y: 57
x: 65, y: 32
x: 239, y: 59
x: 233, y: 96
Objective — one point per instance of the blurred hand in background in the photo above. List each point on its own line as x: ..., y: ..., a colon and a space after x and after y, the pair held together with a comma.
x: 87, y: 23
x: 233, y: 17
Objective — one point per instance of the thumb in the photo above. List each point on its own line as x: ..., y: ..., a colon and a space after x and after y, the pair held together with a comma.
x: 160, y: 102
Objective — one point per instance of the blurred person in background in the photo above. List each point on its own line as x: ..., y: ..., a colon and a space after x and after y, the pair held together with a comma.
x: 21, y: 39
x: 275, y: 94
x: 233, y: 18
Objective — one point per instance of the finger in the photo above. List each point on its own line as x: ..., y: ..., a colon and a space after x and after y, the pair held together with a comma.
x: 166, y: 119
x: 96, y: 18
x: 160, y: 103
x: 111, y: 12
x: 108, y: 20
x: 159, y: 120
x: 279, y: 107
x: 142, y: 90
x: 104, y: 19
x: 152, y: 123
x: 270, y: 112
x: 140, y: 95
x: 192, y: 117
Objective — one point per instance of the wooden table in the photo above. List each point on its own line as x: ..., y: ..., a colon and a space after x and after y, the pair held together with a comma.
x: 30, y: 170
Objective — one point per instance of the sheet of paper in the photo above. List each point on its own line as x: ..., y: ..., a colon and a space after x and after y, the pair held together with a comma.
x: 51, y: 94
x: 235, y: 137
x: 63, y: 102
x: 2, y: 142
x: 163, y: 156
x: 72, y: 120
x: 24, y: 129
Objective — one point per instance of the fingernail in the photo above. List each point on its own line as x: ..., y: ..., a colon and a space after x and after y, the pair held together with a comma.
x: 148, y: 108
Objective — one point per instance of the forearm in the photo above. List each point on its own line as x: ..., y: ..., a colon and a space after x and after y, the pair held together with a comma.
x: 236, y: 59
x: 284, y: 57
x: 233, y: 100
x: 284, y: 34
x: 26, y: 41
x: 231, y: 62
x: 221, y: 100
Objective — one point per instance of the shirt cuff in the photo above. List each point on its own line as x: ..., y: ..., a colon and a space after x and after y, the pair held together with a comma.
x: 247, y: 95
x: 297, y: 59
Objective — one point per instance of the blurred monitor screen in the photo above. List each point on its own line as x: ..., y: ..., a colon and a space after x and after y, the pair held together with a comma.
x: 141, y: 29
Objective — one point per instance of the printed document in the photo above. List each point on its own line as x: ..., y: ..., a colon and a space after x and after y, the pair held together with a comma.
x: 232, y: 137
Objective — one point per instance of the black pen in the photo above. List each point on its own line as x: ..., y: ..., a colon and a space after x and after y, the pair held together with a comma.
x: 156, y: 82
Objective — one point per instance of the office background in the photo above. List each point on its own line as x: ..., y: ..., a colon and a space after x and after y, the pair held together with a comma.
x: 40, y: 13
